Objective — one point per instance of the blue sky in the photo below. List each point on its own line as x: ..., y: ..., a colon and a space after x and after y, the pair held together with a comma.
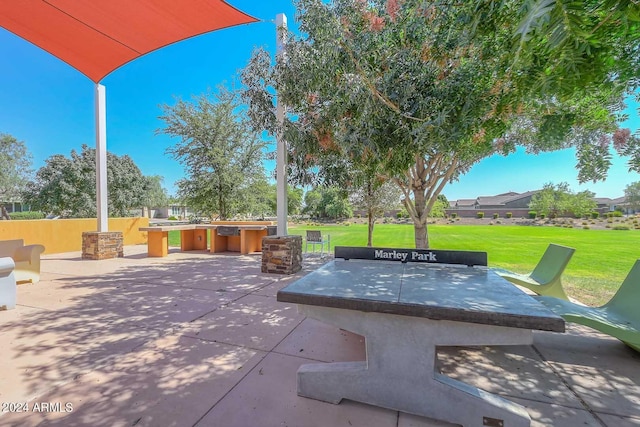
x: 49, y: 105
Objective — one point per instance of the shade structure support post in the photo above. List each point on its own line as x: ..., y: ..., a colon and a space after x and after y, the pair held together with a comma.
x: 101, y: 157
x: 281, y: 150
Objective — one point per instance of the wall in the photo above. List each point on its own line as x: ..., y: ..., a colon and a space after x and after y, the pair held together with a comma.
x: 393, y: 213
x: 488, y: 213
x: 65, y: 235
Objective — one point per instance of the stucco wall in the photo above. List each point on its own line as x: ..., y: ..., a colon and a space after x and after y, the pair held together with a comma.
x: 65, y: 235
x: 488, y: 212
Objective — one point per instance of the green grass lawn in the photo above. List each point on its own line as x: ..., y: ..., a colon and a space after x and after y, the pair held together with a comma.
x: 601, y: 261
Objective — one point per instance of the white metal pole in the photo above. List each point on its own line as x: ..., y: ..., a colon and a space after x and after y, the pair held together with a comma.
x: 281, y: 150
x: 101, y: 158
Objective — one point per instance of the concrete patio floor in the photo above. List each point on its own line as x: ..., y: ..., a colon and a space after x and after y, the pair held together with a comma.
x: 196, y: 339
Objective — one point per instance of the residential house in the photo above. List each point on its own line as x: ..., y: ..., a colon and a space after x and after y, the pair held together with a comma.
x: 619, y: 204
x: 515, y: 203
x: 14, y: 206
x: 518, y: 205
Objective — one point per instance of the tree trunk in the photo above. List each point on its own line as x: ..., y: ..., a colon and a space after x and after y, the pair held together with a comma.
x: 425, y: 181
x: 420, y: 220
x: 372, y: 221
x: 222, y: 208
x: 5, y: 214
x: 421, y: 235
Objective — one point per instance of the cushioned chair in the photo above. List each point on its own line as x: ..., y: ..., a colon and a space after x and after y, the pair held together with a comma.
x: 314, y: 237
x: 619, y: 318
x: 7, y: 284
x: 26, y: 258
x: 545, y: 277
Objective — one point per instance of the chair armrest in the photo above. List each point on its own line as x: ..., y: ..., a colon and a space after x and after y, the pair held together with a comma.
x: 6, y: 266
x: 27, y: 253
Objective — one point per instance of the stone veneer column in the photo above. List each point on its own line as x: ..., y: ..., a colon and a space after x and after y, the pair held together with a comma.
x: 105, y: 245
x: 281, y: 254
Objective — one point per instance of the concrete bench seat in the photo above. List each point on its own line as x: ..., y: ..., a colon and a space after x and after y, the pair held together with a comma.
x: 618, y: 318
x: 546, y: 277
x: 25, y: 257
x: 7, y: 284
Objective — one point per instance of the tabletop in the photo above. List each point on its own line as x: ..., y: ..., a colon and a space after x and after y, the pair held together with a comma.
x: 238, y: 226
x: 434, y: 291
x: 163, y: 228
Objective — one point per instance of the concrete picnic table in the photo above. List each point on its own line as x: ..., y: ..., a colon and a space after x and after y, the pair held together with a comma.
x: 405, y: 311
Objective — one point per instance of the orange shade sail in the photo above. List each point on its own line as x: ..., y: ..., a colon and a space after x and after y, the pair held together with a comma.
x: 98, y: 36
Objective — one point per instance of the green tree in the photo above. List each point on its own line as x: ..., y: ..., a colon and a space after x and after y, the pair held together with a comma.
x: 566, y: 49
x: 312, y: 200
x: 294, y: 199
x: 584, y: 43
x: 423, y: 90
x: 582, y: 204
x: 67, y: 186
x: 220, y: 153
x: 552, y: 201
x: 15, y: 171
x: 328, y: 202
x: 632, y: 195
x: 558, y: 200
x: 375, y: 195
x: 439, y: 207
x: 156, y: 195
x: 255, y: 199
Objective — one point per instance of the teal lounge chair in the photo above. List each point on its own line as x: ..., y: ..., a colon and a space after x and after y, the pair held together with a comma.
x: 545, y: 278
x: 619, y: 318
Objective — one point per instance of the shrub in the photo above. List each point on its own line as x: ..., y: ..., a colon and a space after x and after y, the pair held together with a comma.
x: 402, y: 214
x: 26, y: 215
x: 595, y: 215
x: 172, y: 218
x: 586, y: 227
x: 454, y: 215
x: 480, y: 215
x: 533, y: 214
x: 617, y: 214
x: 543, y: 216
x: 346, y: 223
x: 621, y: 227
x: 496, y: 215
x: 509, y: 214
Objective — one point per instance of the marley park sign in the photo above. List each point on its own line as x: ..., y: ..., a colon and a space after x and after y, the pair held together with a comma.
x: 412, y: 255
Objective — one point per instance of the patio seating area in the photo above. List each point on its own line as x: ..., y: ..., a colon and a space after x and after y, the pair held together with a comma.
x: 198, y: 339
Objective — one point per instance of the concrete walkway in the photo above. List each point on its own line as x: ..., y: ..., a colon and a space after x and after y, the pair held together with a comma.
x: 196, y: 339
